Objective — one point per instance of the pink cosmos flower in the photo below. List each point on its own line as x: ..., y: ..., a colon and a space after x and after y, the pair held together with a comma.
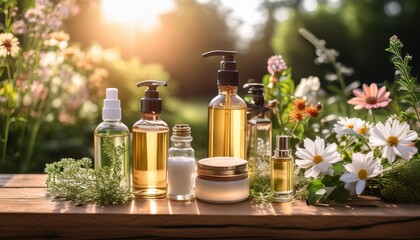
x: 370, y: 97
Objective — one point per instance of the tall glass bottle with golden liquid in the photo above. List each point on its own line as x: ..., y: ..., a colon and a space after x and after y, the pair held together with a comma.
x: 227, y: 111
x: 259, y: 134
x: 282, y: 171
x: 150, y: 146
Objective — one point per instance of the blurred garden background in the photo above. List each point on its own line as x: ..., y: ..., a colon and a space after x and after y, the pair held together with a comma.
x: 51, y: 91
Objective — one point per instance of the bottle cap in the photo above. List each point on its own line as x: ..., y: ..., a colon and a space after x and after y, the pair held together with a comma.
x: 112, y: 106
x: 257, y: 93
x: 221, y: 168
x: 181, y: 130
x: 228, y: 74
x: 151, y: 103
x: 282, y: 146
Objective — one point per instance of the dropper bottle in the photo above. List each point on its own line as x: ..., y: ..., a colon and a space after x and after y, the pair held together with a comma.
x: 259, y: 133
x: 282, y: 171
x: 227, y: 111
x: 112, y: 138
x: 150, y: 145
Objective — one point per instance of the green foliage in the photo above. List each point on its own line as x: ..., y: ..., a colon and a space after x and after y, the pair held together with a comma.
x: 76, y: 180
x: 325, y: 189
x: 259, y: 190
x: 279, y: 90
x: 400, y: 182
x: 408, y: 86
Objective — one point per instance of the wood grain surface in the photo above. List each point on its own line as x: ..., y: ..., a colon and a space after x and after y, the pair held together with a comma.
x: 26, y: 211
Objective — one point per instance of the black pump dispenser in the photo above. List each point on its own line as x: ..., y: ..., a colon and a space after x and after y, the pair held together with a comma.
x: 228, y: 74
x: 151, y: 103
x: 257, y: 93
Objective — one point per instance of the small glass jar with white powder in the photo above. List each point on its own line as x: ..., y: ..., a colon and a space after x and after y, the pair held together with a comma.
x: 181, y: 164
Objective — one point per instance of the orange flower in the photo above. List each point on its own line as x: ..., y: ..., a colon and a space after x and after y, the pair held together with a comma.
x: 296, y: 115
x: 300, y: 104
x: 312, y: 111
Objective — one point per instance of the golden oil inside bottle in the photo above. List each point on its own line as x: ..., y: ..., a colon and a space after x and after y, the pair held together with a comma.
x: 281, y: 181
x: 227, y: 132
x: 149, y: 162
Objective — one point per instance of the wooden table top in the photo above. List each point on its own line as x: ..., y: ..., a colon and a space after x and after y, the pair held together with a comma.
x: 26, y: 211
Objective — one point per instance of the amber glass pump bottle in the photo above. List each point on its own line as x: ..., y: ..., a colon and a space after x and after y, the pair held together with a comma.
x: 227, y: 111
x: 150, y: 145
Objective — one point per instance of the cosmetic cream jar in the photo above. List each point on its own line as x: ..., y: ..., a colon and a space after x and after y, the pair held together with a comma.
x: 222, y: 180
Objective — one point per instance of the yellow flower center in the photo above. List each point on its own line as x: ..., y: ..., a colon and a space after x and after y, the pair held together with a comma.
x: 392, y: 141
x: 362, y: 130
x: 350, y: 125
x: 317, y: 159
x: 362, y: 174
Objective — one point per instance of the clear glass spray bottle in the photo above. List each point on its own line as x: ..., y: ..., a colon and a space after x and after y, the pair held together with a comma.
x: 282, y: 171
x: 112, y: 138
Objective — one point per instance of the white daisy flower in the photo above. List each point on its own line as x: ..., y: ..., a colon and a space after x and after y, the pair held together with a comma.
x: 347, y: 125
x: 9, y: 45
x: 361, y: 168
x: 317, y: 158
x: 394, y: 138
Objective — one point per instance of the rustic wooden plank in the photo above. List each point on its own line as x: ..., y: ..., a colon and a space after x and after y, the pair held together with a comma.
x: 81, y: 226
x: 10, y: 194
x: 22, y: 180
x: 26, y: 211
x: 28, y: 200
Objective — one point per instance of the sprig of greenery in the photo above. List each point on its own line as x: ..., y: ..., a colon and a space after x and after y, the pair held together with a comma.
x: 259, y: 190
x: 75, y: 180
x: 408, y: 84
x: 399, y: 182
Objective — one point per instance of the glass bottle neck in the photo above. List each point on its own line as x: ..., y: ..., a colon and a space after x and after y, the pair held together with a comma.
x: 225, y: 90
x: 151, y: 116
x: 181, y: 144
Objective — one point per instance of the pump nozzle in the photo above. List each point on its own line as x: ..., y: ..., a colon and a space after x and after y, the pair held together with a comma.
x: 112, y: 106
x: 228, y: 74
x: 151, y: 103
x: 257, y: 93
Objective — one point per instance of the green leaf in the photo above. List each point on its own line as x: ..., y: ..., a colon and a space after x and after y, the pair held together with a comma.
x: 330, y: 181
x: 338, y: 169
x: 340, y: 194
x: 312, y: 188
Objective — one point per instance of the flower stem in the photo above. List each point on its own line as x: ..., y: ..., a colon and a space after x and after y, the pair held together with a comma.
x: 294, y: 128
x: 372, y: 115
x: 8, y: 113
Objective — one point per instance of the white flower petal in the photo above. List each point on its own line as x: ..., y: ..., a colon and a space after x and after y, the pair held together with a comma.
x: 319, y: 145
x: 304, y: 163
x: 360, y: 186
x: 405, y: 152
x: 309, y: 145
x: 349, y: 177
x: 349, y: 167
x: 311, y: 172
x: 304, y: 154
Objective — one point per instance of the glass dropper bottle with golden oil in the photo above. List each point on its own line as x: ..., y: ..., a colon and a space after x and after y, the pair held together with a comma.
x: 282, y: 171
